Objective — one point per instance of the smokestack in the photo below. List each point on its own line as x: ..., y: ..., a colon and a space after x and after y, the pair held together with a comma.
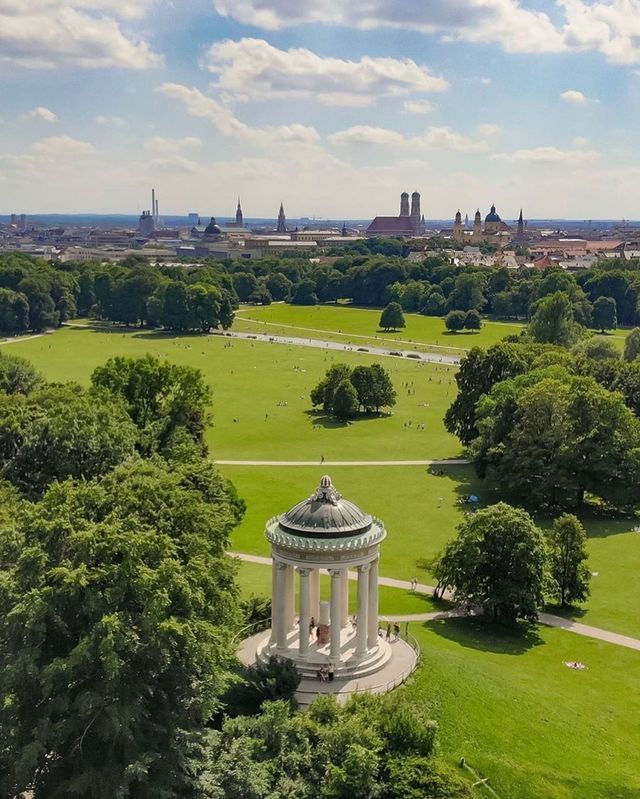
x: 157, y: 212
x: 153, y: 202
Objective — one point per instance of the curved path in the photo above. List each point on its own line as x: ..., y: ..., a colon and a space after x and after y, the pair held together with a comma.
x: 545, y: 618
x: 386, y: 352
x: 445, y: 462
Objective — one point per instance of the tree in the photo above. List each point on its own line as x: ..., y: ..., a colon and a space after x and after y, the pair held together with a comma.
x: 118, y: 610
x: 568, y: 555
x: 14, y: 311
x: 600, y: 349
x: 61, y: 431
x: 472, y: 320
x: 434, y: 303
x: 604, y: 314
x: 324, y: 393
x: 454, y: 321
x: 244, y: 283
x: 552, y: 321
x: 305, y: 293
x: 279, y: 286
x: 467, y: 292
x: 392, y: 317
x: 18, y: 375
x: 497, y: 563
x: 164, y: 400
x: 345, y: 401
x: 549, y: 438
x: 373, y: 387
x: 632, y: 345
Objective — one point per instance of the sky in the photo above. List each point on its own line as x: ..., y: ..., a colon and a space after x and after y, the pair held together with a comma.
x: 333, y: 106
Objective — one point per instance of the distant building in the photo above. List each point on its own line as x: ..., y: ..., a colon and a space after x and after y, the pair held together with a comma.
x: 146, y: 224
x: 409, y: 223
x: 494, y: 230
x: 282, y: 221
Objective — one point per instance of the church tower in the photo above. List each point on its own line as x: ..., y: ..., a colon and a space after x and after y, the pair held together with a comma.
x: 239, y: 214
x: 477, y: 227
x: 520, y: 226
x: 416, y: 217
x: 404, y: 204
x: 282, y: 221
x: 458, y: 232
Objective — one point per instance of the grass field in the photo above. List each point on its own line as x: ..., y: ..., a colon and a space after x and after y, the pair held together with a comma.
x: 359, y: 326
x: 536, y: 728
x: 251, y: 381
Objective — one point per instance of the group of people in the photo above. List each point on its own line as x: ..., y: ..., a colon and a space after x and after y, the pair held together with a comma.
x: 396, y: 632
x: 325, y: 672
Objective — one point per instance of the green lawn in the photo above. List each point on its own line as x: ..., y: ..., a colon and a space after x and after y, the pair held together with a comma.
x: 251, y: 381
x: 359, y: 326
x: 536, y: 728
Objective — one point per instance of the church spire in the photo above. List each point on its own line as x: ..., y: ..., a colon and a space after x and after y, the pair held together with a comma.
x: 239, y: 213
x: 282, y: 220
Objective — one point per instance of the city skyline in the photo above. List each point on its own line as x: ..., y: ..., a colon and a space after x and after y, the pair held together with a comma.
x: 532, y: 103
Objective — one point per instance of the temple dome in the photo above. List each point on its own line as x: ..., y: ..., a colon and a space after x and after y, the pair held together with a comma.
x: 212, y: 229
x: 492, y: 216
x: 325, y: 514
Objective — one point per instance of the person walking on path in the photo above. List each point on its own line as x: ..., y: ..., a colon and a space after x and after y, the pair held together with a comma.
x: 388, y: 635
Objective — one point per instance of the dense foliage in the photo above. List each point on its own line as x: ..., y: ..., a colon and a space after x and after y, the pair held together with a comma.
x: 374, y: 748
x: 345, y: 390
x: 496, y: 564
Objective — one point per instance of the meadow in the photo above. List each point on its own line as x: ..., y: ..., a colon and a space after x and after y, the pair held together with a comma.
x: 507, y: 703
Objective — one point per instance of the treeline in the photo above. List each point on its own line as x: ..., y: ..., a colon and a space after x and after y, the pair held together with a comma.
x: 553, y: 427
x: 35, y: 294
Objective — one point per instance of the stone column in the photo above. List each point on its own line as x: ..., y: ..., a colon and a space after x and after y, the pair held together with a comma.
x: 314, y: 590
x: 282, y: 627
x: 274, y: 600
x: 363, y: 610
x: 336, y: 615
x: 372, y: 636
x: 344, y: 615
x: 291, y: 598
x: 305, y: 615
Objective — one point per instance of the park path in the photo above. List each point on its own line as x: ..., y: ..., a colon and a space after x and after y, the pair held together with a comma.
x: 385, y: 352
x: 445, y: 462
x: 392, y: 341
x: 548, y: 619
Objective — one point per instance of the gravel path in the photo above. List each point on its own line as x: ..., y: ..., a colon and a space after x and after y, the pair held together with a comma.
x: 386, y: 352
x: 448, y: 462
x: 547, y: 619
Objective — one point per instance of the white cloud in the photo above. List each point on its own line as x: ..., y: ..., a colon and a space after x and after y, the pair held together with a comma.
x: 173, y: 164
x: 503, y: 22
x: 223, y: 119
x: 549, y: 155
x: 418, y: 106
x: 56, y: 146
x: 45, y: 34
x: 252, y: 68
x: 580, y: 141
x: 159, y: 144
x: 611, y: 27
x: 42, y: 113
x: 487, y: 129
x: 364, y: 134
x: 110, y: 121
x: 434, y: 138
x: 574, y: 97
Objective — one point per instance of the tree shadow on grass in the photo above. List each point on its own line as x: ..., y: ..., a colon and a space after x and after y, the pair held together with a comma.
x: 475, y: 633
x: 572, y: 612
x: 330, y: 422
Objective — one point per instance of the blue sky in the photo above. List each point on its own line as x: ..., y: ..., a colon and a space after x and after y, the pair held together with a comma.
x: 333, y: 107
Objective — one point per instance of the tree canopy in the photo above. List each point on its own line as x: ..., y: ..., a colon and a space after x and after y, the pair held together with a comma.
x: 497, y: 563
x: 372, y: 386
x: 392, y: 317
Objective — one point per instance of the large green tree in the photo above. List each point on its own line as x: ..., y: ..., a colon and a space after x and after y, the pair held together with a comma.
x: 604, y: 314
x: 345, y: 400
x: 62, y: 431
x: 632, y: 345
x: 550, y: 438
x: 497, y: 562
x: 117, y: 609
x: 392, y: 317
x: 167, y: 402
x: 553, y: 321
x: 568, y: 560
